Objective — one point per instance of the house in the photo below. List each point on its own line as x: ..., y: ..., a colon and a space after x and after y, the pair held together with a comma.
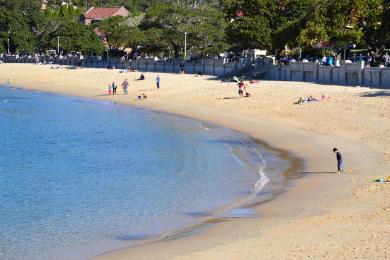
x: 96, y: 14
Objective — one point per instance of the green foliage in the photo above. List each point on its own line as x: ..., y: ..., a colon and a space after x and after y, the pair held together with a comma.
x: 204, y: 24
x: 384, y: 29
x: 212, y: 26
x: 250, y: 32
x: 15, y: 26
x: 343, y: 23
x: 24, y: 6
x: 291, y: 17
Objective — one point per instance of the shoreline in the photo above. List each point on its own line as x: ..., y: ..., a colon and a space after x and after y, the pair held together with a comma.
x: 310, y: 199
x: 224, y: 212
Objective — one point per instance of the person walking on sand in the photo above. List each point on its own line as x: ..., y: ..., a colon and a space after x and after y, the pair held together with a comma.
x: 339, y: 158
x: 158, y: 82
x: 109, y: 89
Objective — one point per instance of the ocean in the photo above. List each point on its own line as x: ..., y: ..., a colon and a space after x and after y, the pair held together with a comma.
x: 79, y: 177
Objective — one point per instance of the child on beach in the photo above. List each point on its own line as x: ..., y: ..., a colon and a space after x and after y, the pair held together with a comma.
x: 339, y: 159
x: 109, y: 89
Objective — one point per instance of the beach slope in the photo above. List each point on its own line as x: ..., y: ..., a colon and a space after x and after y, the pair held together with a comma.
x: 322, y: 215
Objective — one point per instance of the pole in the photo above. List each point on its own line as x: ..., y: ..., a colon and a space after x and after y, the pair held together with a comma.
x: 185, y: 45
x: 345, y: 50
x: 300, y: 53
x: 8, y: 45
x: 58, y: 45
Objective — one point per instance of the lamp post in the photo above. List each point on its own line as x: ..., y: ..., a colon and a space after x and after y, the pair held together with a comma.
x: 185, y: 45
x: 8, y: 44
x: 299, y: 53
x: 58, y: 45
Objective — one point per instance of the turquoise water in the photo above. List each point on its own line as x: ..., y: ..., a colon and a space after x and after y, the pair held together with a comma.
x: 80, y: 177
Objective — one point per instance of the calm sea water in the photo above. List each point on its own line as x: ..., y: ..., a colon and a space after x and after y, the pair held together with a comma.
x: 80, y: 177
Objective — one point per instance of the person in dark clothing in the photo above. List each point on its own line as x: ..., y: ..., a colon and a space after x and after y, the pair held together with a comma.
x: 339, y: 158
x: 114, y: 87
x: 158, y: 82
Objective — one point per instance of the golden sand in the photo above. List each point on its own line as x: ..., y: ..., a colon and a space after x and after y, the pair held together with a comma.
x: 323, y: 215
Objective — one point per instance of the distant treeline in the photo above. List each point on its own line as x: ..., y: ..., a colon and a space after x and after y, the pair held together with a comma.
x: 157, y: 26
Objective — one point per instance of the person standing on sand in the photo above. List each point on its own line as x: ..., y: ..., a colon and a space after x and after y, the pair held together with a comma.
x: 158, y: 82
x: 114, y: 87
x: 125, y: 86
x: 339, y: 158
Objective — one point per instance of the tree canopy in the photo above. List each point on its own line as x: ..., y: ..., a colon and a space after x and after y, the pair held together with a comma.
x: 211, y: 26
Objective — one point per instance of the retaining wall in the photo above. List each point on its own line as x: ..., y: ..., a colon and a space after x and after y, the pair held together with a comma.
x: 350, y: 74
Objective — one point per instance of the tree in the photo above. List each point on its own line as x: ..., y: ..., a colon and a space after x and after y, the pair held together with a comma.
x: 342, y: 23
x: 63, y: 22
x: 250, y: 22
x: 385, y: 25
x: 250, y: 32
x: 113, y: 29
x: 24, y: 6
x: 291, y: 16
x: 15, y: 27
x: 166, y: 23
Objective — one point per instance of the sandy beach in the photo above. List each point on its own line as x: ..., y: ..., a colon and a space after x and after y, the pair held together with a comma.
x: 323, y: 215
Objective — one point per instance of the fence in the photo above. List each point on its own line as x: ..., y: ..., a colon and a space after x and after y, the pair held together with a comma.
x: 350, y: 74
x: 216, y: 67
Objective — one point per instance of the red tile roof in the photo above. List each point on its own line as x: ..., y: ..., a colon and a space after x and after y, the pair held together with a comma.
x: 101, y: 12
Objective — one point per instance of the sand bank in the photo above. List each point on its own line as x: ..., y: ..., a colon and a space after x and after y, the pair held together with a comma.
x: 323, y: 215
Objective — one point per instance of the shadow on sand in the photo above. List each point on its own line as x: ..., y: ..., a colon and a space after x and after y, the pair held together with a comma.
x: 381, y: 93
x: 228, y: 98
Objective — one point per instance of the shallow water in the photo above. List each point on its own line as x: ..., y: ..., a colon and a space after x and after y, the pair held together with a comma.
x: 80, y: 177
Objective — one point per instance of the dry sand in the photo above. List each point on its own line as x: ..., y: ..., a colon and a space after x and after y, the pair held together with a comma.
x: 323, y: 215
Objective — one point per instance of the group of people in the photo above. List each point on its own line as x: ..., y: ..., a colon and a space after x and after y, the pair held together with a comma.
x: 369, y: 59
x: 311, y: 99
x: 330, y: 61
x: 112, y: 88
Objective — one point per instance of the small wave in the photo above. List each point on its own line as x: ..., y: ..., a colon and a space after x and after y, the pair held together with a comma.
x: 260, y: 184
x: 263, y: 178
x: 246, y: 152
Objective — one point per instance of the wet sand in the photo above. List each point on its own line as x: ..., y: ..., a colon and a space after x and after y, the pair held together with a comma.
x: 323, y: 215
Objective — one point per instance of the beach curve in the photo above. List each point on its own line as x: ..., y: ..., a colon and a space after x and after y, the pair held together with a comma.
x: 320, y: 198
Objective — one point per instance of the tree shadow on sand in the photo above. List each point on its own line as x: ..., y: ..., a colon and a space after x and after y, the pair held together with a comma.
x: 381, y: 93
x: 305, y: 173
x: 106, y: 95
x: 228, y: 98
